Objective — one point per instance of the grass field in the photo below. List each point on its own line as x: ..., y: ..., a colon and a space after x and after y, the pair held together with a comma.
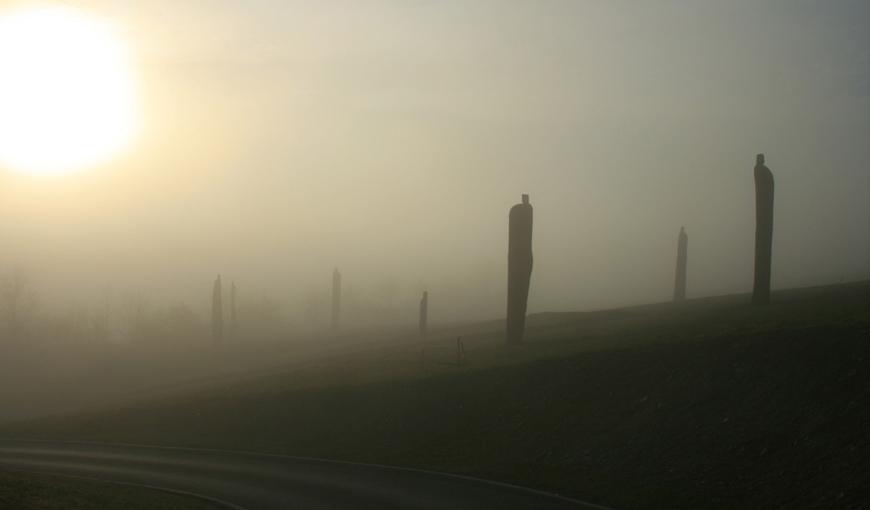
x: 709, y: 403
x: 27, y: 491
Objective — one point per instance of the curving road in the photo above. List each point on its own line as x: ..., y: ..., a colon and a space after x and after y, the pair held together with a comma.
x: 252, y: 481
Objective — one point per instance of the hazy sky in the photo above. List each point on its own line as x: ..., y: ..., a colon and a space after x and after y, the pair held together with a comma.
x: 282, y: 138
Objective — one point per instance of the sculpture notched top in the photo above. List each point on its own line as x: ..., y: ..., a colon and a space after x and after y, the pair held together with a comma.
x: 763, y: 231
x: 519, y: 268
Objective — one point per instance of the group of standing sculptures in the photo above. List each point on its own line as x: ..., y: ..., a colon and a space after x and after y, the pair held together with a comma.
x: 520, y: 265
x: 520, y: 254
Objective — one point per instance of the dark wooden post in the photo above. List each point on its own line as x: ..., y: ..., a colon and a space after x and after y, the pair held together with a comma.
x: 519, y: 268
x: 763, y: 232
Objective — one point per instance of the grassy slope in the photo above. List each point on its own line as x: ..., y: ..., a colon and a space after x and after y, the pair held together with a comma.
x: 711, y: 403
x: 24, y: 491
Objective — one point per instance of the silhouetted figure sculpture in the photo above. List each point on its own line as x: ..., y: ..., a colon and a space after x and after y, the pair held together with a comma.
x: 424, y: 315
x: 519, y: 268
x: 217, y: 313
x: 682, y: 255
x: 232, y: 309
x: 336, y: 298
x: 763, y: 231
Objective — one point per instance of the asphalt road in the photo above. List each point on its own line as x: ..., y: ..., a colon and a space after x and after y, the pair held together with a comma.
x: 252, y: 481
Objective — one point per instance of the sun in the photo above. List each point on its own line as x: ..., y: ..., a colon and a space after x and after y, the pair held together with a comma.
x: 67, y: 94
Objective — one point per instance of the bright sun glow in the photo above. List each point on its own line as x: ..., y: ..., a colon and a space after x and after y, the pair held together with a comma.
x: 67, y: 95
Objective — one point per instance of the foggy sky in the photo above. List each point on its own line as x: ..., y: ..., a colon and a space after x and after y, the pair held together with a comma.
x: 390, y: 138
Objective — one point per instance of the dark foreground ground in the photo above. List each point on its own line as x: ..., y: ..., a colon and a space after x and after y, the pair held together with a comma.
x: 707, y: 404
x: 249, y: 481
x: 25, y: 491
